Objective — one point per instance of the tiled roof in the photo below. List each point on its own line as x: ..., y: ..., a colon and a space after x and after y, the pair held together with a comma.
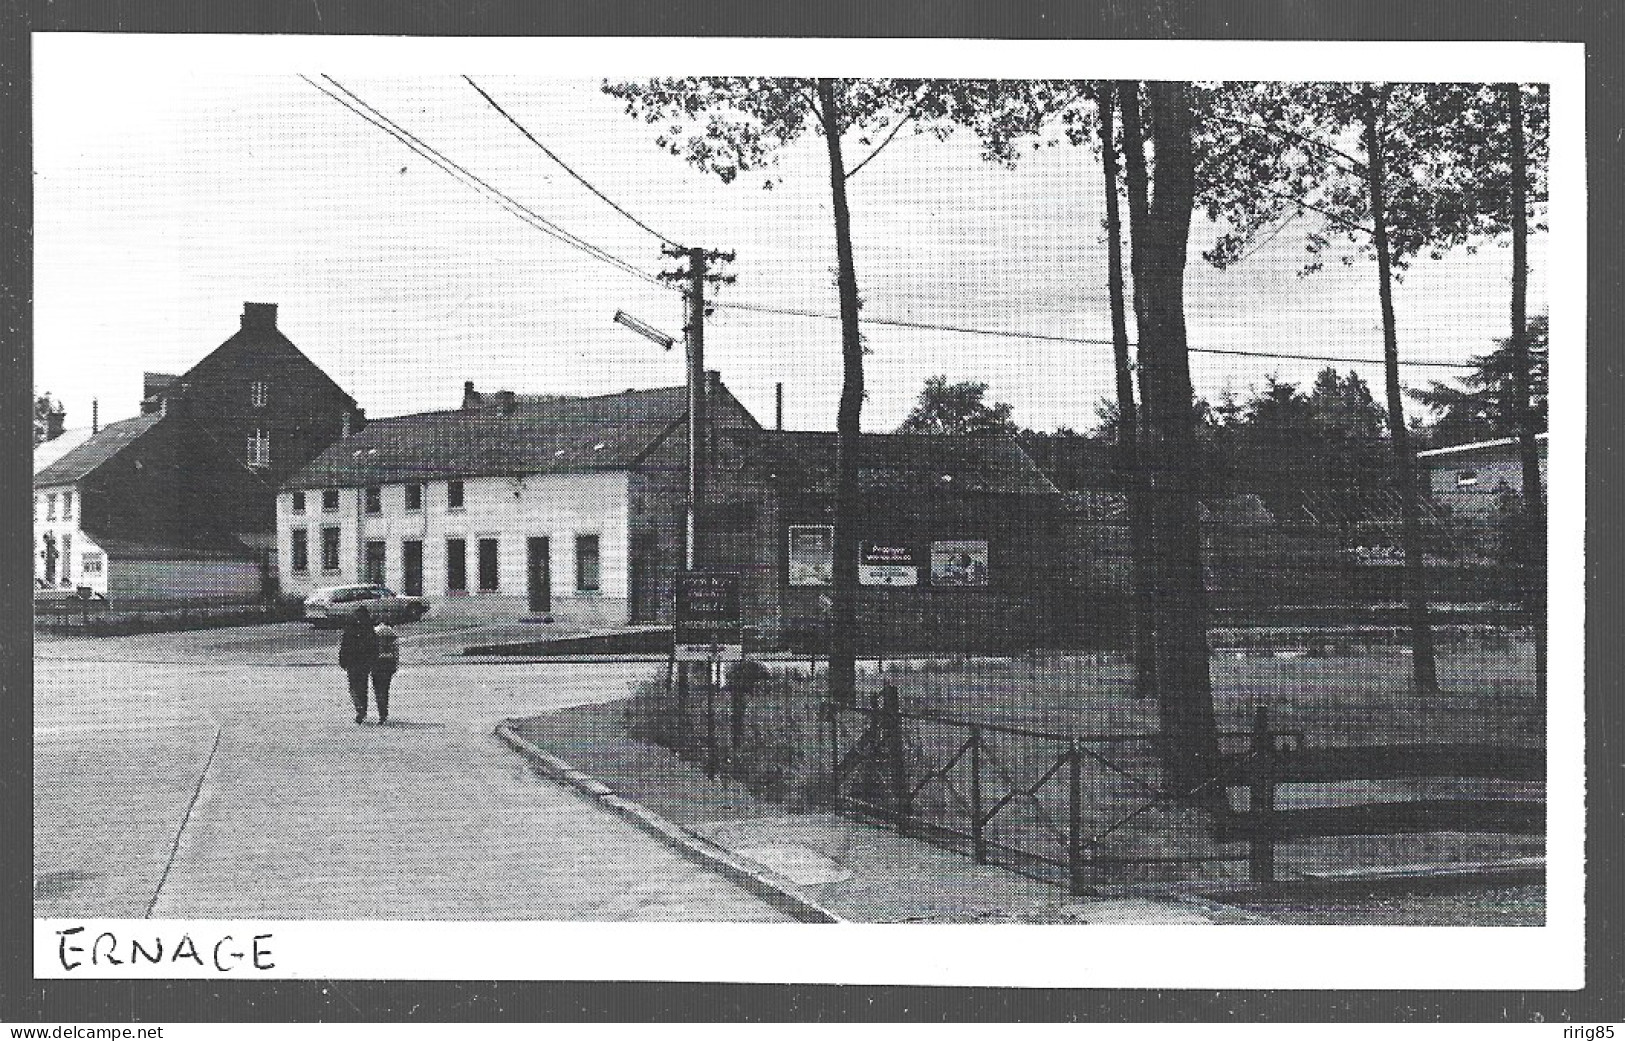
x: 555, y: 435
x: 908, y: 463
x: 89, y: 453
x: 199, y: 544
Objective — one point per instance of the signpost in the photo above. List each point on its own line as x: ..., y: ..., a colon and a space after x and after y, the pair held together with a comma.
x: 708, y: 626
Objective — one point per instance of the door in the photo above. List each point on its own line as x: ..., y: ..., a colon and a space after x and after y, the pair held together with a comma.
x: 412, y: 567
x: 538, y: 575
x: 375, y: 564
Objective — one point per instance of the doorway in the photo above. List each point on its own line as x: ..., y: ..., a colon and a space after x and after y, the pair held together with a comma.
x: 412, y: 567
x: 538, y: 574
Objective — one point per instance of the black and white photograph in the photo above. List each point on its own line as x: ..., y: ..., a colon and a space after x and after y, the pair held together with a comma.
x: 1066, y: 514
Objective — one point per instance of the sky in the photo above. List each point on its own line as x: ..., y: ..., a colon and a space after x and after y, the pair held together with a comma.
x: 166, y: 196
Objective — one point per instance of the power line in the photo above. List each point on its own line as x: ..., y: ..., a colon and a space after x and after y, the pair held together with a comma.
x: 450, y: 166
x: 1051, y: 338
x: 456, y: 170
x: 566, y: 166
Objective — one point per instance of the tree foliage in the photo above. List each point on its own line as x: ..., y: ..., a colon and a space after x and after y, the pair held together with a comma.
x: 1482, y: 406
x: 957, y: 408
x: 44, y: 405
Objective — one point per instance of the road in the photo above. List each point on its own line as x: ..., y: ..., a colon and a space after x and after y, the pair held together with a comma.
x: 220, y: 774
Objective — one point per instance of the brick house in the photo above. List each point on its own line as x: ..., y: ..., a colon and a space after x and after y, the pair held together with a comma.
x: 178, y: 503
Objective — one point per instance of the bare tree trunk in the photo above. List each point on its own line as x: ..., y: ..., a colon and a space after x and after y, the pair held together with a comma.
x: 844, y: 610
x: 1143, y: 545
x: 1533, y: 521
x: 1160, y: 245
x: 1128, y: 421
x: 1422, y: 664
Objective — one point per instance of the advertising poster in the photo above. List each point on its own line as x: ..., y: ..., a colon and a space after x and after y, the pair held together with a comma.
x: 960, y: 562
x: 812, y: 555
x: 888, y: 564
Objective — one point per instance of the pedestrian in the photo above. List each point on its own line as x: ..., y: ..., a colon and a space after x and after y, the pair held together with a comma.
x: 358, y: 650
x: 383, y: 667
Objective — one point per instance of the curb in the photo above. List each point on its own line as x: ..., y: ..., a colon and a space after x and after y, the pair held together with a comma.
x: 757, y: 881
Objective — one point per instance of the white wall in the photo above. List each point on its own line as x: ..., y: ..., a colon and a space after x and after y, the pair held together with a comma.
x: 556, y: 506
x: 1495, y: 470
x: 70, y: 567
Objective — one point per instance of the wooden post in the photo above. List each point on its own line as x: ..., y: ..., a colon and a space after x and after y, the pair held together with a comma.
x: 979, y: 835
x: 1074, y: 844
x: 710, y: 724
x: 891, y: 713
x: 1261, y: 802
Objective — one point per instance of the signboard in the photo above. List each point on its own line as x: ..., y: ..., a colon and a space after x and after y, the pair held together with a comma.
x: 707, y: 624
x: 888, y: 564
x: 961, y: 562
x: 812, y: 555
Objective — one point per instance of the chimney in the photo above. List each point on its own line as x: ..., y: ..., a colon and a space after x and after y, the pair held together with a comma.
x: 55, y: 421
x: 344, y: 424
x: 713, y: 383
x: 259, y: 316
x: 471, y: 398
x: 505, y: 401
x: 95, y: 416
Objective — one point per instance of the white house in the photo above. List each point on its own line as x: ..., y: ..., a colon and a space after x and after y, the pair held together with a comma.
x: 1472, y: 478
x: 511, y: 506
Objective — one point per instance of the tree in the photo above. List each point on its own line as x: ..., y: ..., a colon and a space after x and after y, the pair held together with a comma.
x: 44, y: 405
x: 1484, y: 406
x: 729, y: 125
x: 1276, y: 151
x: 1161, y: 198
x: 956, y: 408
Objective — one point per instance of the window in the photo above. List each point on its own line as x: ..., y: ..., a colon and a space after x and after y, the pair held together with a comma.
x: 456, y: 565
x: 299, y: 555
x: 299, y: 502
x: 257, y: 392
x: 67, y: 506
x: 454, y: 495
x: 375, y: 499
x: 91, y: 564
x: 414, y: 497
x: 50, y: 506
x: 587, y: 563
x: 1466, y: 478
x: 488, y: 565
x: 330, y: 549
x: 374, y: 571
x: 259, y: 450
x: 330, y: 500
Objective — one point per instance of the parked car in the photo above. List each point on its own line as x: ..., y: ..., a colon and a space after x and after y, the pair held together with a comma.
x: 334, y: 604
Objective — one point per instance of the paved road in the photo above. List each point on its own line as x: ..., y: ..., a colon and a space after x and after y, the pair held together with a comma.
x: 220, y: 774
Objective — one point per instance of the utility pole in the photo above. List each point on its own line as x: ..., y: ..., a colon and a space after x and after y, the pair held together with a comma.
x: 695, y: 337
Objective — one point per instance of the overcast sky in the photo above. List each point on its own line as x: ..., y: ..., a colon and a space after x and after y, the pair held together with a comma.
x: 165, y: 198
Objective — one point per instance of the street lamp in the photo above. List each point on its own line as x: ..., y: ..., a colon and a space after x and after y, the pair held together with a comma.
x: 645, y: 330
x: 650, y: 333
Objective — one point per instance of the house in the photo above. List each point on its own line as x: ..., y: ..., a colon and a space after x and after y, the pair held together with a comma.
x: 1474, y: 478
x: 177, y: 504
x: 573, y: 509
x: 510, y: 506
x: 957, y: 539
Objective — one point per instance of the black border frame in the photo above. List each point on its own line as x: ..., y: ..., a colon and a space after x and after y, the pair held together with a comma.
x: 1600, y: 28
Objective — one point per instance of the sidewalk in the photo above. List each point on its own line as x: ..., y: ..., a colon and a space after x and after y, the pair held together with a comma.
x: 861, y: 872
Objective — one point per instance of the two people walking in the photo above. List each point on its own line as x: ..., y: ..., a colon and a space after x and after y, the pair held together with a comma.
x: 368, y: 652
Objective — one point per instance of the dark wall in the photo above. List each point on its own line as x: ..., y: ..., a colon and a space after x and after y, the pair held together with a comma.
x: 303, y: 414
